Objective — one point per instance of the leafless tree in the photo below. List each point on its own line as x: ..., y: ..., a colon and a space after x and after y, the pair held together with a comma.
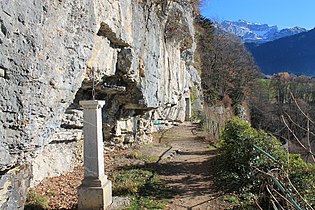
x: 227, y: 67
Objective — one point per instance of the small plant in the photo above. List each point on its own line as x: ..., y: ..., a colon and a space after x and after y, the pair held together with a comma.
x: 36, y: 201
x: 232, y: 199
x: 212, y: 147
x: 134, y: 155
x: 150, y: 158
x: 142, y: 186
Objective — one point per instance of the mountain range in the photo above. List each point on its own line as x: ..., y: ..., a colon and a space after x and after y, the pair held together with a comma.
x: 288, y: 50
x: 294, y: 54
x: 256, y: 32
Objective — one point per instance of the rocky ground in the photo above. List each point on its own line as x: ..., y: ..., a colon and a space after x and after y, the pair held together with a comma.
x: 184, y: 161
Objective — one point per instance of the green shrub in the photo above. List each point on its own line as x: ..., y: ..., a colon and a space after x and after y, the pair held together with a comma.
x: 244, y: 167
x: 302, y: 176
x: 238, y: 155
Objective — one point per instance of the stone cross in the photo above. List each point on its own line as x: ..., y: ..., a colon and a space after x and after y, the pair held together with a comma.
x: 95, y: 191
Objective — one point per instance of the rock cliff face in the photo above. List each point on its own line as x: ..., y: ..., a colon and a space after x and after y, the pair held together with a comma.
x: 137, y: 53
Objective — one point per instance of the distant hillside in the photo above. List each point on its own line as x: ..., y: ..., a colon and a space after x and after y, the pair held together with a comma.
x: 258, y: 33
x: 294, y: 54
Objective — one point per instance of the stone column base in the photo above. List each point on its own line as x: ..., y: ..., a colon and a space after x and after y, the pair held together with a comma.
x: 95, y: 198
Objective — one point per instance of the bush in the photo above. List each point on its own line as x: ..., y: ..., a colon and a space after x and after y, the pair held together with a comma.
x: 244, y: 168
x: 303, y: 176
x: 239, y: 157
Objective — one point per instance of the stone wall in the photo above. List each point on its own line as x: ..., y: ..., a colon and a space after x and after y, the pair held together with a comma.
x: 138, y: 54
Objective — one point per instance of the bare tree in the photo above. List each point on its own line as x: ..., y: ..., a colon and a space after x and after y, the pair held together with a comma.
x: 307, y: 139
x: 227, y: 67
x: 283, y: 105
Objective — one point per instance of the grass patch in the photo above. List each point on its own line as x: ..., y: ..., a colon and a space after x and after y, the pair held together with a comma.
x: 129, y: 181
x: 144, y: 203
x: 36, y: 201
x: 144, y: 188
x: 140, y: 156
x: 134, y: 155
x: 151, y: 158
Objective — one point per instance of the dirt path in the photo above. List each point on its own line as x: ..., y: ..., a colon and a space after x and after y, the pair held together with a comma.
x: 185, y: 163
x: 191, y: 172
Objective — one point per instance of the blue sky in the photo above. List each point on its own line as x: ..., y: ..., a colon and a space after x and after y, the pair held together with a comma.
x: 283, y: 13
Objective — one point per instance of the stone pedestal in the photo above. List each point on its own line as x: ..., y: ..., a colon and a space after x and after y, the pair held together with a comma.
x: 95, y: 191
x: 187, y: 109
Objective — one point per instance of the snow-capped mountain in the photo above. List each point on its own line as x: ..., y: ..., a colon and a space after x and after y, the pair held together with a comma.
x: 256, y: 32
x: 294, y: 54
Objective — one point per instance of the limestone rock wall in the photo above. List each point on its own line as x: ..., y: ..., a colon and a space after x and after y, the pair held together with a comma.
x: 137, y: 53
x: 45, y: 46
x: 145, y: 75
